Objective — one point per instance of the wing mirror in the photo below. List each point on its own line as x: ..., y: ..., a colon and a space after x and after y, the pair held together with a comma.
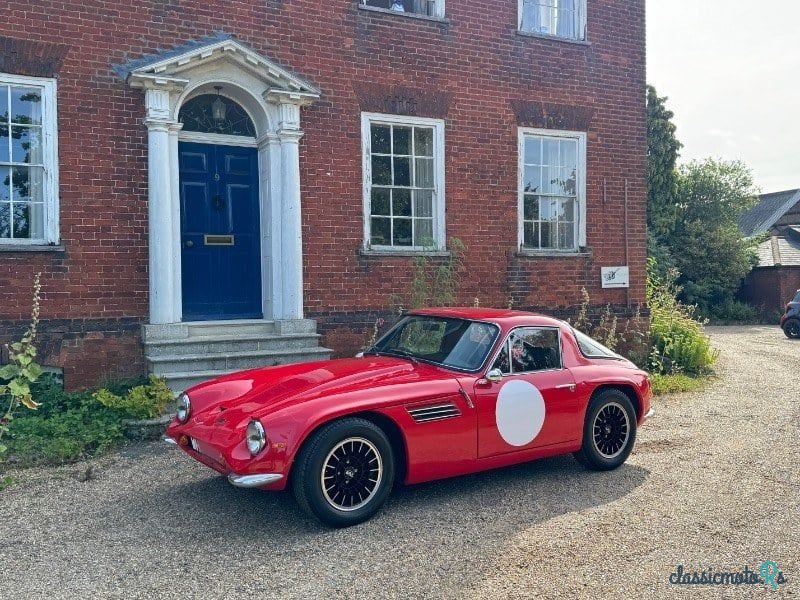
x: 495, y: 376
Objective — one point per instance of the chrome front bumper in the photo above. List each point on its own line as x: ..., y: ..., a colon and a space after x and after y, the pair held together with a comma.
x: 253, y: 481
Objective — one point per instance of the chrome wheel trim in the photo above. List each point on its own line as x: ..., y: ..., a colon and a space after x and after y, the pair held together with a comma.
x: 351, y: 474
x: 793, y: 329
x: 611, y: 430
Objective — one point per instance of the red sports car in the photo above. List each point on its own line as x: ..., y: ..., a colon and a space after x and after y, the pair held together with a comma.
x: 443, y: 393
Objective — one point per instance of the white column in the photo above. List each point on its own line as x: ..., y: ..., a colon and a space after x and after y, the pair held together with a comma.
x: 175, y: 212
x: 160, y: 223
x: 269, y: 169
x: 289, y: 135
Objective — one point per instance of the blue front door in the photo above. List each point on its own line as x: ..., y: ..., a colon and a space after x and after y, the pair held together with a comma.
x: 220, y: 225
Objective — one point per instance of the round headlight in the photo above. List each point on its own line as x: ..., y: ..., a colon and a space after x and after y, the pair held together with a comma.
x: 184, y: 408
x: 256, y: 437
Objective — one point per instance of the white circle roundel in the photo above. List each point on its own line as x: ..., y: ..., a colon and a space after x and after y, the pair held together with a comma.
x: 519, y: 412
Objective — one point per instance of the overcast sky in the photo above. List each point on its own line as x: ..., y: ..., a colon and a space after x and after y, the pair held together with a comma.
x: 731, y: 70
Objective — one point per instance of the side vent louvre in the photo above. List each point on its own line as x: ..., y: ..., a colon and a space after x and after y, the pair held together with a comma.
x: 434, y: 412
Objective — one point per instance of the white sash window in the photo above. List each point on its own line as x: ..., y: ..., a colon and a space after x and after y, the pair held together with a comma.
x: 28, y: 161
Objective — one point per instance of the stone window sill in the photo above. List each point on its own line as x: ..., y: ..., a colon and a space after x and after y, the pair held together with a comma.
x: 56, y: 248
x: 528, y: 253
x: 375, y: 253
x: 555, y: 38
x: 409, y: 15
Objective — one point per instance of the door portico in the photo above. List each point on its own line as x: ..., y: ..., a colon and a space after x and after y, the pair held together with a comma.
x: 272, y: 98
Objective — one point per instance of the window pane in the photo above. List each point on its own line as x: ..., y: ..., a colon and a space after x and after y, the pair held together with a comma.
x: 380, y: 139
x: 3, y: 103
x: 530, y: 235
x: 381, y: 170
x: 533, y: 151
x: 26, y: 105
x: 381, y: 232
x: 22, y: 221
x: 424, y: 173
x: 568, y: 210
x: 402, y: 171
x: 28, y: 184
x: 533, y: 179
x: 402, y: 232
x: 534, y: 349
x: 423, y: 233
x: 570, y: 182
x: 531, y: 208
x: 423, y: 7
x: 380, y: 201
x: 550, y: 152
x: 566, y: 235
x: 423, y: 141
x: 5, y: 220
x: 401, y: 203
x: 569, y: 153
x: 402, y: 140
x: 26, y: 145
x: 546, y: 233
x: 423, y: 203
x: 550, y: 180
x: 213, y: 113
x: 5, y: 184
x: 4, y: 152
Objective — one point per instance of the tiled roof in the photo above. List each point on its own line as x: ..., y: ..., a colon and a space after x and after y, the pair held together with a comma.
x: 781, y: 250
x: 766, y: 213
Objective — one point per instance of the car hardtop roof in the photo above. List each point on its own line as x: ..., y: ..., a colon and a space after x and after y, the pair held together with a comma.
x: 500, y: 316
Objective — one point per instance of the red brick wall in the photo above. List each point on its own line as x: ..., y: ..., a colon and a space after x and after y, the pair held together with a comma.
x: 484, y: 76
x: 770, y: 288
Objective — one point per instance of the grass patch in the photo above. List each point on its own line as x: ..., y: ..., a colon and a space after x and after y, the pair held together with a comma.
x: 6, y: 482
x: 677, y: 383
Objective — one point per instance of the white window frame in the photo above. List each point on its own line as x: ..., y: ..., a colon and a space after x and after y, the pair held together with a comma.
x: 49, y: 158
x: 439, y: 227
x: 439, y: 7
x: 580, y: 188
x: 581, y: 9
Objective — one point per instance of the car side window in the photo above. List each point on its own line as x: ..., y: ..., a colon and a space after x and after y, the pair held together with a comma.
x: 501, y: 362
x: 534, y: 349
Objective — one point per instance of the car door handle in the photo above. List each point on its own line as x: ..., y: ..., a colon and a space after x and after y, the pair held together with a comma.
x: 564, y: 386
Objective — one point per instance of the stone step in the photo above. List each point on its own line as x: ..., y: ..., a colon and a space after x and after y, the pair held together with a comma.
x: 230, y: 343
x: 232, y: 361
x: 228, y: 328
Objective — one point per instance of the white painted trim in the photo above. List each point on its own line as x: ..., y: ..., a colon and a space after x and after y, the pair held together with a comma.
x: 580, y: 187
x: 440, y: 212
x: 582, y: 10
x: 49, y: 158
x: 217, y: 139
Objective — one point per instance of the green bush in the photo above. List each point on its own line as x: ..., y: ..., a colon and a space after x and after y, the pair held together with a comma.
x: 141, y: 402
x: 733, y: 310
x: 680, y: 344
x: 72, y: 425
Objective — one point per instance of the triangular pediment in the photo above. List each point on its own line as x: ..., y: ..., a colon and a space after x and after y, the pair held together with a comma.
x: 175, y: 67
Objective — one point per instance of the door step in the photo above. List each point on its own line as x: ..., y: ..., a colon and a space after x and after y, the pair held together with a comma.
x: 186, y: 354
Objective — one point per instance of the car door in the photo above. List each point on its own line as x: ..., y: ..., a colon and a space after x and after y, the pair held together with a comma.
x: 534, y: 402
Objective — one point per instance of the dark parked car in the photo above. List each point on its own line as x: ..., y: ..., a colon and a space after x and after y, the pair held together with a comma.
x: 790, y: 320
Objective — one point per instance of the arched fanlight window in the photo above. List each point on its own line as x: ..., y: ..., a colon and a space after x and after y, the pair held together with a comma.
x: 214, y: 113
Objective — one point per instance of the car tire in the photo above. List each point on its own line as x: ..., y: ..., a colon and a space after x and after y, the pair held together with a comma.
x: 609, y: 431
x: 792, y: 328
x: 355, y: 457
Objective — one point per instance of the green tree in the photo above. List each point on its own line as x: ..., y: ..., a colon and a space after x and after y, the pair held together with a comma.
x: 663, y: 150
x: 705, y: 242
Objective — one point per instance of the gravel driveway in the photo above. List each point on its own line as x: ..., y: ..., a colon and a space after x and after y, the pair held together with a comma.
x: 713, y: 483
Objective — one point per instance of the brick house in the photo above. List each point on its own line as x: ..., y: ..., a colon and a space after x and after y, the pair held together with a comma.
x: 205, y: 186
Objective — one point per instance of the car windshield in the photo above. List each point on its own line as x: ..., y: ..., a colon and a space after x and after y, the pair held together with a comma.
x: 592, y: 348
x: 454, y: 343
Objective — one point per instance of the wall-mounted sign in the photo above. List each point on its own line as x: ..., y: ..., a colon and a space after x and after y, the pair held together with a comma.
x: 615, y: 277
